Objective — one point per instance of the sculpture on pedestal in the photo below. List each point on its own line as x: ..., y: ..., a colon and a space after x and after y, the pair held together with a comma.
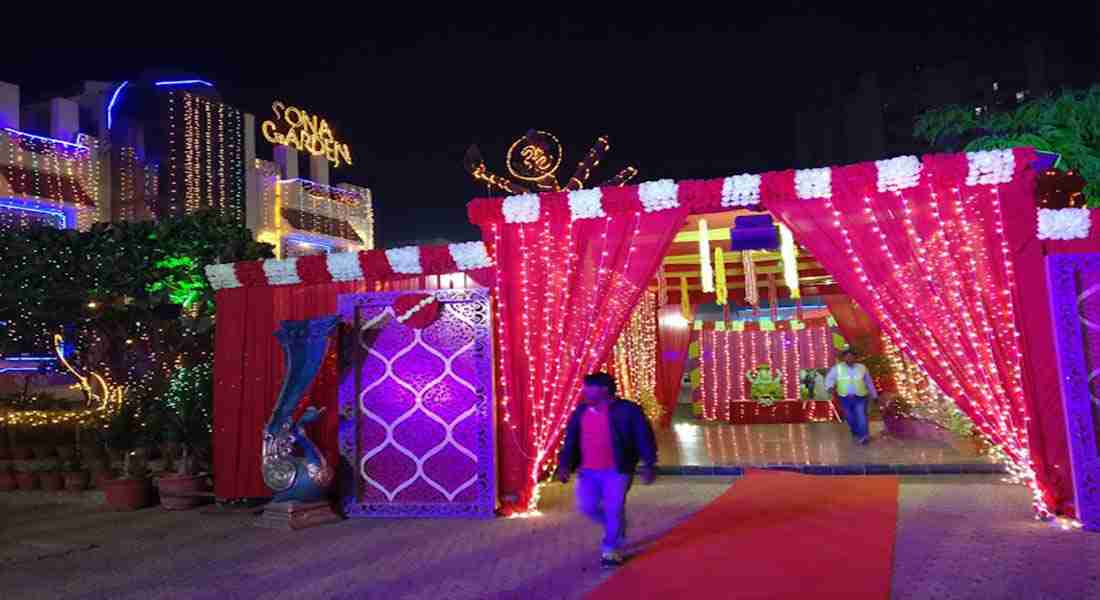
x: 305, y: 478
x: 766, y: 386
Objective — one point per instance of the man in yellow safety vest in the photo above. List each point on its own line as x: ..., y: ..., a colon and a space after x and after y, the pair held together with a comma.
x: 854, y: 388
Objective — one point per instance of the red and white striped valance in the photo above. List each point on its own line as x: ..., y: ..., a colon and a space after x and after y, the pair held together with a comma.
x: 713, y: 195
x: 377, y: 265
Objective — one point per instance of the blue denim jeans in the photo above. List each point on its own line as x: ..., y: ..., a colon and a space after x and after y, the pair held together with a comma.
x: 855, y: 412
x: 601, y: 496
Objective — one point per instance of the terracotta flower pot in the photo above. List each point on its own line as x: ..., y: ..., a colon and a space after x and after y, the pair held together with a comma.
x: 66, y: 452
x: 172, y: 486
x: 51, y: 481
x: 26, y: 481
x: 127, y: 494
x: 76, y: 481
x: 7, y: 481
x: 22, y: 453
x: 102, y: 477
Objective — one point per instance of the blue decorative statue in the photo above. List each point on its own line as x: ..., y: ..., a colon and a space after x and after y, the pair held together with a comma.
x: 303, y: 478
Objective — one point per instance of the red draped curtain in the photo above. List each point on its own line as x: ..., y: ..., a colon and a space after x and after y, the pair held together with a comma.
x: 931, y: 263
x: 857, y: 327
x: 564, y: 291
x: 673, y: 339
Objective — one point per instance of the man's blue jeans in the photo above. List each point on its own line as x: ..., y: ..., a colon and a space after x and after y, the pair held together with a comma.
x: 601, y: 496
x: 855, y: 412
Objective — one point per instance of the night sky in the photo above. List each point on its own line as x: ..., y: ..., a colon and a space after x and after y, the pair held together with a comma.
x: 679, y: 97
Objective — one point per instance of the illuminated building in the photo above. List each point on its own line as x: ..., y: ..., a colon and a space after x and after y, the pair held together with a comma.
x: 153, y: 147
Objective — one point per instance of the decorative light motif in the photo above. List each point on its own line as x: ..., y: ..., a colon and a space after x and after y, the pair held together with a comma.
x: 534, y: 160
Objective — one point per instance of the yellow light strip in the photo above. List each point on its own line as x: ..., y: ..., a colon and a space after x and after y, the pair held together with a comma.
x: 707, y: 273
x: 790, y: 260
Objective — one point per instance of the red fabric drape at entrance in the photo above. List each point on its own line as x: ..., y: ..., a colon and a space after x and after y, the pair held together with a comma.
x: 932, y: 265
x: 857, y: 327
x: 673, y: 339
x: 564, y: 291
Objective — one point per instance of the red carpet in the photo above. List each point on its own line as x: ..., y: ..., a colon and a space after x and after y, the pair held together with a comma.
x: 774, y: 535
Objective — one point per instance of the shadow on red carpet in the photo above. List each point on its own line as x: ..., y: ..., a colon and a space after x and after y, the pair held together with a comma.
x: 774, y: 535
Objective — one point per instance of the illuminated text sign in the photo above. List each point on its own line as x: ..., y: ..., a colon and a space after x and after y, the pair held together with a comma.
x: 304, y: 132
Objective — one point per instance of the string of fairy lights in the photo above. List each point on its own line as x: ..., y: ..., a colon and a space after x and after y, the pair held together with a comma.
x: 636, y: 355
x: 53, y: 173
x: 206, y: 170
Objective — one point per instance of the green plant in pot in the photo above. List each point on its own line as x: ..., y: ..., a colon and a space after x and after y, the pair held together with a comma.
x: 185, y: 418
x: 49, y: 476
x: 76, y: 478
x: 124, y: 433
x: 26, y: 475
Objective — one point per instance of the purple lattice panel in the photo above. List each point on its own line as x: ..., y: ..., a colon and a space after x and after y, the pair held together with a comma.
x: 416, y: 408
x: 1075, y: 302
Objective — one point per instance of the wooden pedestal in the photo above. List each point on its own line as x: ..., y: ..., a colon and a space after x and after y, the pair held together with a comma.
x: 297, y: 515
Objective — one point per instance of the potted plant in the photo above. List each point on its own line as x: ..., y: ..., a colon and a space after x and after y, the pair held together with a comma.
x: 184, y: 418
x: 49, y: 476
x: 122, y: 434
x: 25, y: 476
x: 76, y: 478
x: 7, y: 478
x: 132, y: 490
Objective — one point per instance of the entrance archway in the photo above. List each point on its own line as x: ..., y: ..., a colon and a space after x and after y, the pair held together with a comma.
x: 922, y: 245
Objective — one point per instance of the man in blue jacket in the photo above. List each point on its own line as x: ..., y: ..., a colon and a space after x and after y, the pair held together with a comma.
x: 605, y: 438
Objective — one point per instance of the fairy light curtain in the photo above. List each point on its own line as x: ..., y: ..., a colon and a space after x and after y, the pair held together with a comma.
x: 565, y: 288
x: 636, y: 358
x: 727, y: 355
x: 922, y: 246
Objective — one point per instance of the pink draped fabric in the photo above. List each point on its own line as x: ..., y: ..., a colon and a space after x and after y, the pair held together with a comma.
x: 932, y: 265
x: 673, y: 338
x: 564, y: 292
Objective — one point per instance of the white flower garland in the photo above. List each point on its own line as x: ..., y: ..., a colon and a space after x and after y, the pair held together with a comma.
x: 405, y: 260
x: 658, y: 195
x: 344, y: 266
x: 222, y: 276
x: 1064, y: 224
x: 470, y: 255
x: 521, y: 209
x: 990, y: 167
x: 814, y: 183
x: 282, y: 272
x: 586, y: 204
x: 899, y: 173
x: 405, y: 316
x: 741, y: 190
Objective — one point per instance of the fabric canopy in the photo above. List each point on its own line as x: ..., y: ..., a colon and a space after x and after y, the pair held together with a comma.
x: 564, y: 290
x: 930, y: 260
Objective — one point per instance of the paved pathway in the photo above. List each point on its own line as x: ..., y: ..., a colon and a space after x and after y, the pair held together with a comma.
x: 957, y: 538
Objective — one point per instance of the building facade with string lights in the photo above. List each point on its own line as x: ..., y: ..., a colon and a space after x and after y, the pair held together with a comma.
x: 157, y: 147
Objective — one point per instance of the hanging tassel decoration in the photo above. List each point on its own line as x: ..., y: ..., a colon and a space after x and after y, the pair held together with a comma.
x: 789, y: 254
x: 773, y: 297
x: 685, y: 300
x: 706, y: 273
x: 752, y: 293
